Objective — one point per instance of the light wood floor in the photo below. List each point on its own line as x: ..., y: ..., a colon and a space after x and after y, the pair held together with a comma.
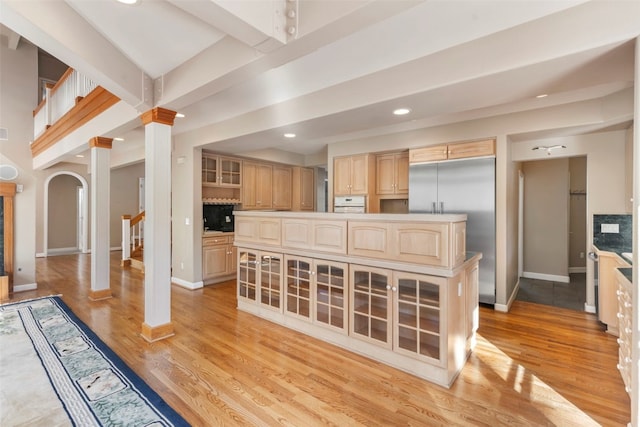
x: 537, y: 365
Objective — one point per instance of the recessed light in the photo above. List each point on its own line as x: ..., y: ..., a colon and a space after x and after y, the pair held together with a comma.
x: 179, y: 115
x: 128, y: 1
x: 79, y: 156
x: 542, y: 95
x: 118, y: 139
x: 401, y: 111
x: 289, y: 135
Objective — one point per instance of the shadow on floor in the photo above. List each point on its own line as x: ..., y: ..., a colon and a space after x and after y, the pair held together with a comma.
x: 570, y: 295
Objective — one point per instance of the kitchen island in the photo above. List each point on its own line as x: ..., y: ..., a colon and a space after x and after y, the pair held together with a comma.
x: 399, y: 289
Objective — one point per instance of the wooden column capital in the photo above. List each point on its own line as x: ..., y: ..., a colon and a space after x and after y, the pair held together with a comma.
x: 100, y: 142
x: 7, y: 189
x: 159, y: 115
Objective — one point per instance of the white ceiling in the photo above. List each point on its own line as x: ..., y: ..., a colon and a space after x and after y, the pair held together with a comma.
x: 242, y: 80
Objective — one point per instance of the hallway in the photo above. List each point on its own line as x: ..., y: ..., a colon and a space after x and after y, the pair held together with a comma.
x: 570, y: 295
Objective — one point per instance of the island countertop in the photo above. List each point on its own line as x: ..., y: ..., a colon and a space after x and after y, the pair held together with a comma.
x: 411, y: 217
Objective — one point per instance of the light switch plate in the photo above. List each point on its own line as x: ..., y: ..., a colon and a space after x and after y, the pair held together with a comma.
x: 609, y: 228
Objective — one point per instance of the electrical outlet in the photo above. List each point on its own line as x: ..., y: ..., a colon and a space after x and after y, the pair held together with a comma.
x: 581, y: 254
x: 610, y: 228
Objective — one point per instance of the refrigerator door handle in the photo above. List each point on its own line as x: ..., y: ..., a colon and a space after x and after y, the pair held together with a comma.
x: 433, y: 208
x: 441, y: 207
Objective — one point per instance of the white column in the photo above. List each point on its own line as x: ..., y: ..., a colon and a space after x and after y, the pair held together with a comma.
x: 100, y: 245
x: 157, y: 229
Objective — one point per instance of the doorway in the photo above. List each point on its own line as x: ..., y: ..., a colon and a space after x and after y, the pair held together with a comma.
x: 554, y: 242
x: 65, y: 228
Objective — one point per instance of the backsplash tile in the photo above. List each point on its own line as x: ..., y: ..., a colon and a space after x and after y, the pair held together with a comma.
x: 623, y: 240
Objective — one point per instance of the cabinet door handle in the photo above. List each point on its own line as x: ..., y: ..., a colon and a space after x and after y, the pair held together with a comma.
x: 393, y: 288
x: 388, y: 287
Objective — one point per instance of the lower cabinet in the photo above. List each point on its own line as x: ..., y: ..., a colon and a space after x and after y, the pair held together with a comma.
x: 420, y: 323
x: 625, y: 311
x: 397, y: 310
x: 260, y: 278
x: 218, y: 258
x: 316, y: 291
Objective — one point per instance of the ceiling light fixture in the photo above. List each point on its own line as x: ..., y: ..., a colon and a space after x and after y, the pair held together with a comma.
x: 118, y: 139
x: 79, y: 156
x: 401, y: 111
x: 542, y: 95
x: 548, y: 148
x: 289, y: 135
x: 179, y: 115
x: 128, y: 1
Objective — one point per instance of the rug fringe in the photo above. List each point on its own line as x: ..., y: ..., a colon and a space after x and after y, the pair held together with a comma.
x: 29, y: 300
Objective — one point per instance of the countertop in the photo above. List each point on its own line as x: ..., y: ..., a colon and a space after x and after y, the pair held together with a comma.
x: 627, y: 272
x: 360, y: 216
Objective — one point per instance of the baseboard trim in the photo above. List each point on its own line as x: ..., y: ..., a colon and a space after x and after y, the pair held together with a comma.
x: 186, y: 284
x: 577, y: 270
x: 41, y: 255
x: 548, y: 277
x: 589, y: 308
x: 62, y: 251
x: 26, y: 287
x: 505, y: 308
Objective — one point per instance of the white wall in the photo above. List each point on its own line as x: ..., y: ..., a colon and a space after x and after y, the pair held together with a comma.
x: 18, y: 99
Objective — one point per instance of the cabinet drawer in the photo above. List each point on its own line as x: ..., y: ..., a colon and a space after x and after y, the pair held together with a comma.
x: 217, y: 240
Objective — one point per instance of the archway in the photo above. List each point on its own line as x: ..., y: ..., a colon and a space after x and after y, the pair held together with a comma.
x: 83, y: 244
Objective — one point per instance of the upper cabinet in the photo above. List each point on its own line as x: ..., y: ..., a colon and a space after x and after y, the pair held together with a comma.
x: 281, y: 197
x: 392, y: 174
x: 221, y: 178
x: 257, y: 187
x: 218, y: 171
x: 303, y: 189
x: 351, y: 174
x: 460, y: 150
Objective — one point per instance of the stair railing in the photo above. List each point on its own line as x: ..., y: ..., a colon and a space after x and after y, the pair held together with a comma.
x: 131, y: 236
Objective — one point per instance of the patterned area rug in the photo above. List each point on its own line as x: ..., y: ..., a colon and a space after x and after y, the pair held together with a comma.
x: 54, y: 371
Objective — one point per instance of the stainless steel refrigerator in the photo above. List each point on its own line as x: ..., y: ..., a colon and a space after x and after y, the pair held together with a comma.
x: 462, y: 186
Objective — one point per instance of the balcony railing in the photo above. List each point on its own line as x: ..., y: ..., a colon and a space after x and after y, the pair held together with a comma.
x: 60, y: 99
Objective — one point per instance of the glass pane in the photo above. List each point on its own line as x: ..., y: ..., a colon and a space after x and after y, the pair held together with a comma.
x: 429, y: 294
x: 337, y: 317
x: 379, y: 307
x: 361, y: 279
x: 322, y: 313
x: 430, y: 345
x: 379, y: 330
x: 323, y: 293
x: 323, y: 269
x: 337, y: 297
x: 361, y: 325
x: 292, y: 306
x: 408, y: 339
x: 361, y: 303
x: 251, y: 294
x: 304, y: 308
x: 407, y: 290
x: 430, y: 319
x: 407, y: 314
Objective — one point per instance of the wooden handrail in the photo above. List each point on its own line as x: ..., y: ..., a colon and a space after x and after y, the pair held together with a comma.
x: 136, y: 219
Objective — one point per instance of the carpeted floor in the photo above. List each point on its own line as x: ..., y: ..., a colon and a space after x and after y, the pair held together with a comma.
x: 570, y: 295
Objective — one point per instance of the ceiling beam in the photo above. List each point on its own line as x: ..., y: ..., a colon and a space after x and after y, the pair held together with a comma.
x: 59, y: 30
x: 14, y: 39
x: 260, y: 24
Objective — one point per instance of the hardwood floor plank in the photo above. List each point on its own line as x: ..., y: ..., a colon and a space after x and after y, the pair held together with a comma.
x: 533, y: 366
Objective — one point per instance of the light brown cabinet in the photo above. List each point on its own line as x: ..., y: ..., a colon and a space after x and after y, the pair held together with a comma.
x: 625, y: 322
x: 392, y: 174
x: 260, y: 278
x: 316, y: 291
x: 608, y: 264
x: 218, y: 257
x: 303, y: 189
x: 282, y: 181
x: 257, y: 188
x: 460, y: 150
x: 352, y: 174
x: 220, y: 171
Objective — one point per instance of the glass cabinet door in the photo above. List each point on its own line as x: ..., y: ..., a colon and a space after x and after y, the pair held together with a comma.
x: 247, y: 274
x: 298, y: 287
x: 330, y: 305
x: 230, y: 172
x: 371, y: 305
x: 417, y: 314
x: 209, y: 169
x: 270, y: 280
